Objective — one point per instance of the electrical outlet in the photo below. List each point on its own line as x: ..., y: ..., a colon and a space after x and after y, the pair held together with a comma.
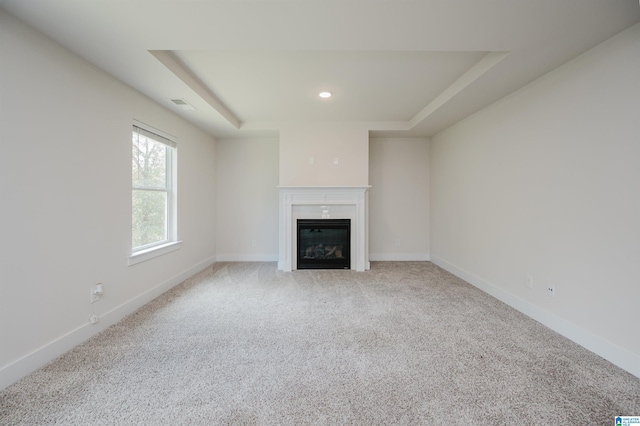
x: 528, y: 281
x: 397, y: 242
x: 551, y: 291
x: 96, y: 293
x: 254, y: 243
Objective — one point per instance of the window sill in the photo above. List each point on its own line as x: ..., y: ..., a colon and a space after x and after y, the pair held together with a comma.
x: 150, y: 253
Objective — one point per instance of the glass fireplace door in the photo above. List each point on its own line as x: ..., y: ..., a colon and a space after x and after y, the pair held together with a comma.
x: 324, y: 244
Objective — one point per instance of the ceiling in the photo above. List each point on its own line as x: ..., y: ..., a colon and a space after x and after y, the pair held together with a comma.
x: 401, y: 68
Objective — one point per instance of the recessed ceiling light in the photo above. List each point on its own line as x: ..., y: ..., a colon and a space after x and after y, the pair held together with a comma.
x: 325, y: 94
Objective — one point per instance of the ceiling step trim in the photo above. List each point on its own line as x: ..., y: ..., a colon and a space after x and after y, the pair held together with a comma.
x: 487, y: 62
x: 169, y: 60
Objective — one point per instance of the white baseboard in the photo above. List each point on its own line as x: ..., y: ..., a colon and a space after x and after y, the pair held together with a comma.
x: 613, y: 353
x: 398, y: 257
x: 247, y: 257
x: 36, y: 359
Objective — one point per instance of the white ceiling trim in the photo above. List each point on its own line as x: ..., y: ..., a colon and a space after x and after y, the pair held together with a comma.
x: 169, y: 60
x: 181, y: 71
x: 490, y: 60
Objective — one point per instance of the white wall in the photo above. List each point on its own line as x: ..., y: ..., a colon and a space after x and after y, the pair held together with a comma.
x: 247, y: 199
x: 546, y: 182
x: 65, y: 167
x: 323, y: 142
x: 399, y: 199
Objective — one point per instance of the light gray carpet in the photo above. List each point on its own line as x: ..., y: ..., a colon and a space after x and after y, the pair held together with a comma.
x: 403, y: 343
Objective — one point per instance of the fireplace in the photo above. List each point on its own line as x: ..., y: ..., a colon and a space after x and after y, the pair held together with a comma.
x: 320, y: 203
x: 324, y: 243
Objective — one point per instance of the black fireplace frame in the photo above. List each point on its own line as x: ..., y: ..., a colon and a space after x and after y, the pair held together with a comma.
x: 333, y: 263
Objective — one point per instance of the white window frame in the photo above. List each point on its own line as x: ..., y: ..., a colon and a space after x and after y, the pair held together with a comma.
x: 171, y: 243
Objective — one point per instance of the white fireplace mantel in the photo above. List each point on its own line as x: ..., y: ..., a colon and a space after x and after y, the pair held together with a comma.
x: 332, y: 202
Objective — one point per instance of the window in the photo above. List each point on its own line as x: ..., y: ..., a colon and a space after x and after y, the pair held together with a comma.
x: 153, y: 192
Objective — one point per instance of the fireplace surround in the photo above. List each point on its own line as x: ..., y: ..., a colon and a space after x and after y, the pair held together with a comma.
x: 336, y: 202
